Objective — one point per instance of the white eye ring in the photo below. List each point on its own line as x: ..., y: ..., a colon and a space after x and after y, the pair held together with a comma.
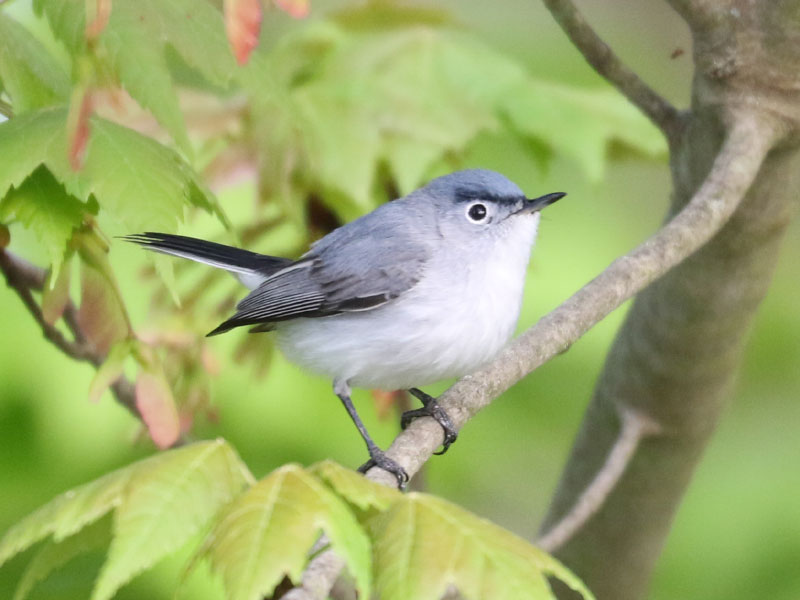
x: 477, y: 212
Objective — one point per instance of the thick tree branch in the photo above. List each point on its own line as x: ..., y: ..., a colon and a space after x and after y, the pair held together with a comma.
x: 700, y: 13
x: 750, y: 139
x: 23, y: 278
x: 600, y: 56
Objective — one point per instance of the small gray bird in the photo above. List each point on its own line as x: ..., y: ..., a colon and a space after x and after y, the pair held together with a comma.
x: 424, y: 288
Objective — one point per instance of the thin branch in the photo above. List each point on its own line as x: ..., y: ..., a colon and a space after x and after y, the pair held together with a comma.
x: 23, y: 277
x: 602, y: 58
x: 635, y: 427
x: 20, y: 276
x: 749, y: 140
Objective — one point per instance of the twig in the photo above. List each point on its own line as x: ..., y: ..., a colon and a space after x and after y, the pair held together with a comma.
x: 635, y: 427
x: 600, y: 56
x: 22, y: 277
x: 749, y: 140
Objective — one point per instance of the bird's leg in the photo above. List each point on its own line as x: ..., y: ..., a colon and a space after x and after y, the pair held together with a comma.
x: 431, y: 408
x: 377, y: 458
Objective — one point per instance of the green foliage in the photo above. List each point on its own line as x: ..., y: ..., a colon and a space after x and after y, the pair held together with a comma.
x: 53, y: 555
x: 28, y: 71
x: 346, y: 111
x: 419, y: 95
x: 165, y: 504
x: 412, y: 546
x: 425, y: 544
x: 43, y: 205
x: 268, y: 531
x: 159, y: 504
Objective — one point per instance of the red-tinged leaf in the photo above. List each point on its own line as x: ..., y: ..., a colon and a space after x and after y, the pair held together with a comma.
x: 55, y: 295
x: 242, y: 26
x: 78, y: 130
x: 298, y: 9
x: 5, y: 236
x: 100, y: 315
x: 156, y: 405
x: 100, y: 13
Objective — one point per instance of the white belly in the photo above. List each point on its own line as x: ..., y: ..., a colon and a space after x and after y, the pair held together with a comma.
x: 437, y: 330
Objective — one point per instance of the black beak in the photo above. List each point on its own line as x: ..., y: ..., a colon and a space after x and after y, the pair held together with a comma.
x: 533, y: 205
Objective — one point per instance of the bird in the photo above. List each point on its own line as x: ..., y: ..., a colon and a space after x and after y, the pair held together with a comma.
x: 424, y: 288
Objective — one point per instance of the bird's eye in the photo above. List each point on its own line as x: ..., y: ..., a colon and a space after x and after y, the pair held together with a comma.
x: 477, y: 213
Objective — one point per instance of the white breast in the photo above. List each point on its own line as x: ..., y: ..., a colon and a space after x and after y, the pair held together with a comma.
x: 454, y: 320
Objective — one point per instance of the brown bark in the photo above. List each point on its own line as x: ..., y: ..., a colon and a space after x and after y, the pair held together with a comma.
x: 677, y: 354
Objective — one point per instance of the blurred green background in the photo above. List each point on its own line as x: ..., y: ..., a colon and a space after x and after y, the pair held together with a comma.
x: 736, y: 536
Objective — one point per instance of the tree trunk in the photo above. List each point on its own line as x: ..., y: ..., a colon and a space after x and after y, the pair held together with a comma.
x: 677, y: 354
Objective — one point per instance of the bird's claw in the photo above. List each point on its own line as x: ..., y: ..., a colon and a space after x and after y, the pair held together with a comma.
x: 438, y: 414
x: 378, y: 458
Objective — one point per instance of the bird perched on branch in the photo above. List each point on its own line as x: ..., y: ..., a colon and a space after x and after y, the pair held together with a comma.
x: 424, y: 288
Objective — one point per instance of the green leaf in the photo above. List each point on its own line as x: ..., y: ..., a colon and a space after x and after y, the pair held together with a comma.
x: 139, y: 61
x: 67, y: 20
x: 139, y: 182
x: 68, y: 513
x: 42, y: 205
x: 425, y: 544
x: 54, y: 555
x: 419, y: 94
x: 166, y: 504
x: 30, y: 74
x: 25, y: 141
x: 135, y: 42
x: 267, y: 532
x: 581, y: 123
x: 354, y: 487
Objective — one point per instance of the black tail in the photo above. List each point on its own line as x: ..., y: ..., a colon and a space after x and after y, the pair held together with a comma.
x: 210, y: 253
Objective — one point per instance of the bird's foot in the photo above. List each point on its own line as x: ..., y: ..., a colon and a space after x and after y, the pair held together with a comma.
x: 377, y: 458
x: 431, y: 408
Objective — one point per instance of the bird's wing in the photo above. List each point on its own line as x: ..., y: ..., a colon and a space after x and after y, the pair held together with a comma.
x: 345, y: 273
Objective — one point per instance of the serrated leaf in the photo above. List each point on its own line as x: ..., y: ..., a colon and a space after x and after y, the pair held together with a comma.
x: 54, y: 555
x: 354, y: 487
x: 267, y: 532
x: 155, y: 403
x: 66, y: 514
x: 24, y: 144
x: 425, y: 544
x: 30, y: 74
x: 67, y: 20
x: 42, y: 205
x: 139, y: 61
x: 110, y: 370
x: 165, y: 505
x: 139, y: 182
x: 419, y: 94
